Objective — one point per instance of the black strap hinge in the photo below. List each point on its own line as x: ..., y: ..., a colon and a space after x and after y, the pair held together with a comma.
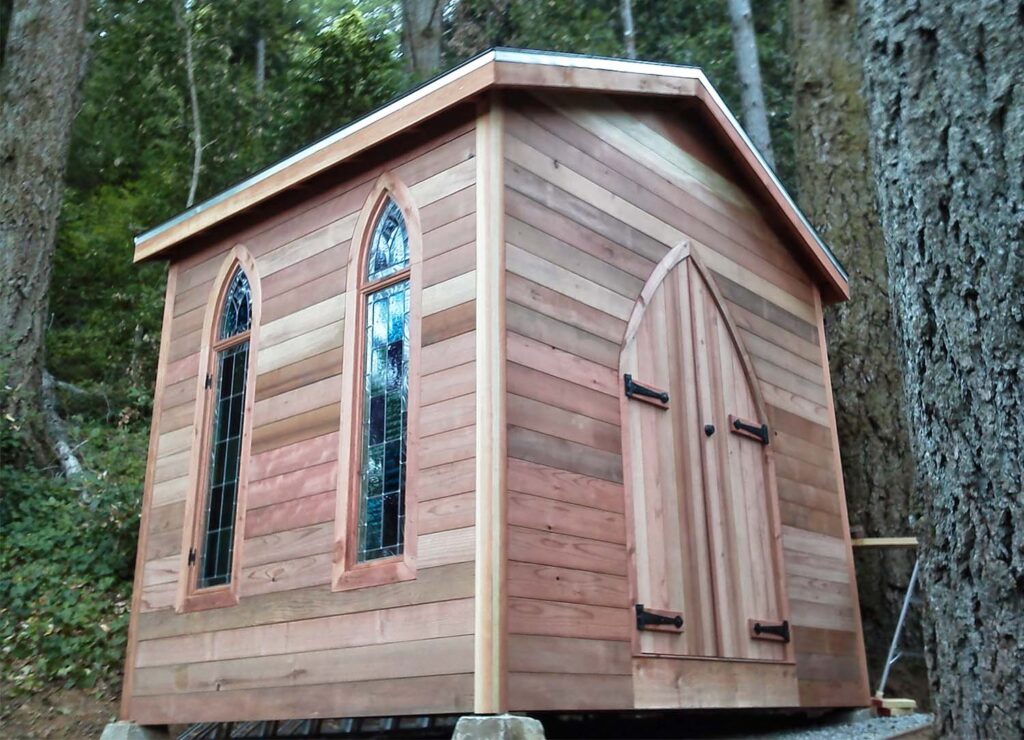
x: 770, y: 630
x: 760, y: 432
x: 191, y: 557
x: 646, y: 619
x: 209, y: 381
x: 634, y: 389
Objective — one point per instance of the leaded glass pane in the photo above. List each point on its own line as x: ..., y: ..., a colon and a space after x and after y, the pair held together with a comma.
x: 236, y: 315
x: 385, y: 394
x: 389, y: 246
x: 218, y: 535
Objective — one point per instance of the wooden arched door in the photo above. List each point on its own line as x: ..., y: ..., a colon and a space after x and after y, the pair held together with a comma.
x: 699, y: 472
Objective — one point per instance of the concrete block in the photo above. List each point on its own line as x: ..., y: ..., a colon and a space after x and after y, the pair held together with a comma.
x: 498, y: 727
x: 125, y: 730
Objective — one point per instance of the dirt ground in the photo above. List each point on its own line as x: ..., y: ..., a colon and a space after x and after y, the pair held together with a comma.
x: 74, y: 714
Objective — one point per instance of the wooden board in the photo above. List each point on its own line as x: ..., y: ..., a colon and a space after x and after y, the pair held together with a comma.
x: 287, y: 615
x: 713, y: 684
x: 597, y: 193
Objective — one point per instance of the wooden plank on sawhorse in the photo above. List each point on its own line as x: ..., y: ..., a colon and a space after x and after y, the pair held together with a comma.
x: 884, y: 542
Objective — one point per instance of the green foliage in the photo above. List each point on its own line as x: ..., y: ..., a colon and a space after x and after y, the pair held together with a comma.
x: 107, y: 311
x: 349, y: 68
x: 66, y: 556
x: 549, y: 25
x: 67, y: 551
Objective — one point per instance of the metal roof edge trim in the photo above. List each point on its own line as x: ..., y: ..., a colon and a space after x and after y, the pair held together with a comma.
x: 522, y: 56
x: 513, y: 56
x: 771, y: 173
x: 369, y: 119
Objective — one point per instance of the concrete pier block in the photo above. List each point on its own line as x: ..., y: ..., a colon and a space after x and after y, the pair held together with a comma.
x: 498, y: 727
x: 125, y: 730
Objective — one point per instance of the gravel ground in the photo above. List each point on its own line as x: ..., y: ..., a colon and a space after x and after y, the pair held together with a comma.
x: 877, y: 728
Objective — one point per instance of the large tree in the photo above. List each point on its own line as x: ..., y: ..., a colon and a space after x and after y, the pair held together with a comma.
x: 421, y: 36
x: 945, y: 89
x: 44, y: 61
x: 748, y: 70
x: 836, y: 191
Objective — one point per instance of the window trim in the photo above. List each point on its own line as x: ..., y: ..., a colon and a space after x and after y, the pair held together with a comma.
x: 347, y: 572
x: 190, y: 597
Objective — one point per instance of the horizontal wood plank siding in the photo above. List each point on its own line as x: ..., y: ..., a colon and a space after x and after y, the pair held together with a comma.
x: 598, y: 190
x: 291, y: 647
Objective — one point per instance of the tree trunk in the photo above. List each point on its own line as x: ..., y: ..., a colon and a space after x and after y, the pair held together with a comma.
x: 748, y: 68
x: 261, y: 64
x: 421, y: 36
x: 945, y: 95
x: 837, y: 193
x: 39, y: 85
x: 56, y: 430
x: 181, y: 17
x: 628, y: 31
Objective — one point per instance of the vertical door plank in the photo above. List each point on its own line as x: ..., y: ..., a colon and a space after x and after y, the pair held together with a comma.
x: 687, y: 431
x: 742, y: 525
x: 662, y: 451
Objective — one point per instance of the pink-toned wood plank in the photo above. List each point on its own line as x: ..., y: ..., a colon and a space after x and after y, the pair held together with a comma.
x: 304, y: 454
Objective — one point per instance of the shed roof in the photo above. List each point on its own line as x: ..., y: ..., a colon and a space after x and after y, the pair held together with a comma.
x: 509, y: 69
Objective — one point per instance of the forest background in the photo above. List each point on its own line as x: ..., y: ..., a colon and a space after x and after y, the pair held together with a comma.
x: 180, y: 99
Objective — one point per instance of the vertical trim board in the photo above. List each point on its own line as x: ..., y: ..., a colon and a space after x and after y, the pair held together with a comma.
x: 147, y: 493
x: 489, y: 695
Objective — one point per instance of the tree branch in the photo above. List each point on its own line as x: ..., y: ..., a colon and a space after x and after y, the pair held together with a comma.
x: 748, y: 68
x: 628, y: 32
x: 180, y: 16
x: 56, y: 429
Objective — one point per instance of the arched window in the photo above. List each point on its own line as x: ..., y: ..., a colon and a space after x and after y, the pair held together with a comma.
x: 228, y: 382
x: 385, y: 388
x: 215, y: 507
x: 375, y: 524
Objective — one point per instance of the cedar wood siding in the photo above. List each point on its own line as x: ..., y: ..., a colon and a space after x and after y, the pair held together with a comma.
x: 401, y: 648
x: 597, y: 191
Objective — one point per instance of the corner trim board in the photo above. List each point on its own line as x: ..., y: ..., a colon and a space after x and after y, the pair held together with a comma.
x: 490, y: 665
x: 147, y: 493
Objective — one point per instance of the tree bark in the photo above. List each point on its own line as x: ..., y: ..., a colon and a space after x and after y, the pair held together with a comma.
x: 628, y: 30
x: 261, y: 64
x: 836, y: 190
x: 181, y: 17
x: 945, y: 90
x: 56, y: 429
x: 748, y: 69
x: 39, y: 85
x: 421, y: 36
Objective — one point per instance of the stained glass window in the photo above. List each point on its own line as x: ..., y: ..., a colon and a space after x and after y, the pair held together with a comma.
x: 389, y: 247
x: 236, y: 315
x: 385, y: 395
x: 228, y: 381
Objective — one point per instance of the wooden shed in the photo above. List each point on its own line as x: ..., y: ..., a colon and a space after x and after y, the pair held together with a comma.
x: 512, y: 395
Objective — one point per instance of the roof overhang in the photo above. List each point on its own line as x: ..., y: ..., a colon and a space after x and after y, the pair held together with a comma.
x: 495, y: 69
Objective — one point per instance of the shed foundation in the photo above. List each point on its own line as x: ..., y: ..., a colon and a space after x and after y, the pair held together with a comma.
x: 498, y: 727
x: 125, y: 730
